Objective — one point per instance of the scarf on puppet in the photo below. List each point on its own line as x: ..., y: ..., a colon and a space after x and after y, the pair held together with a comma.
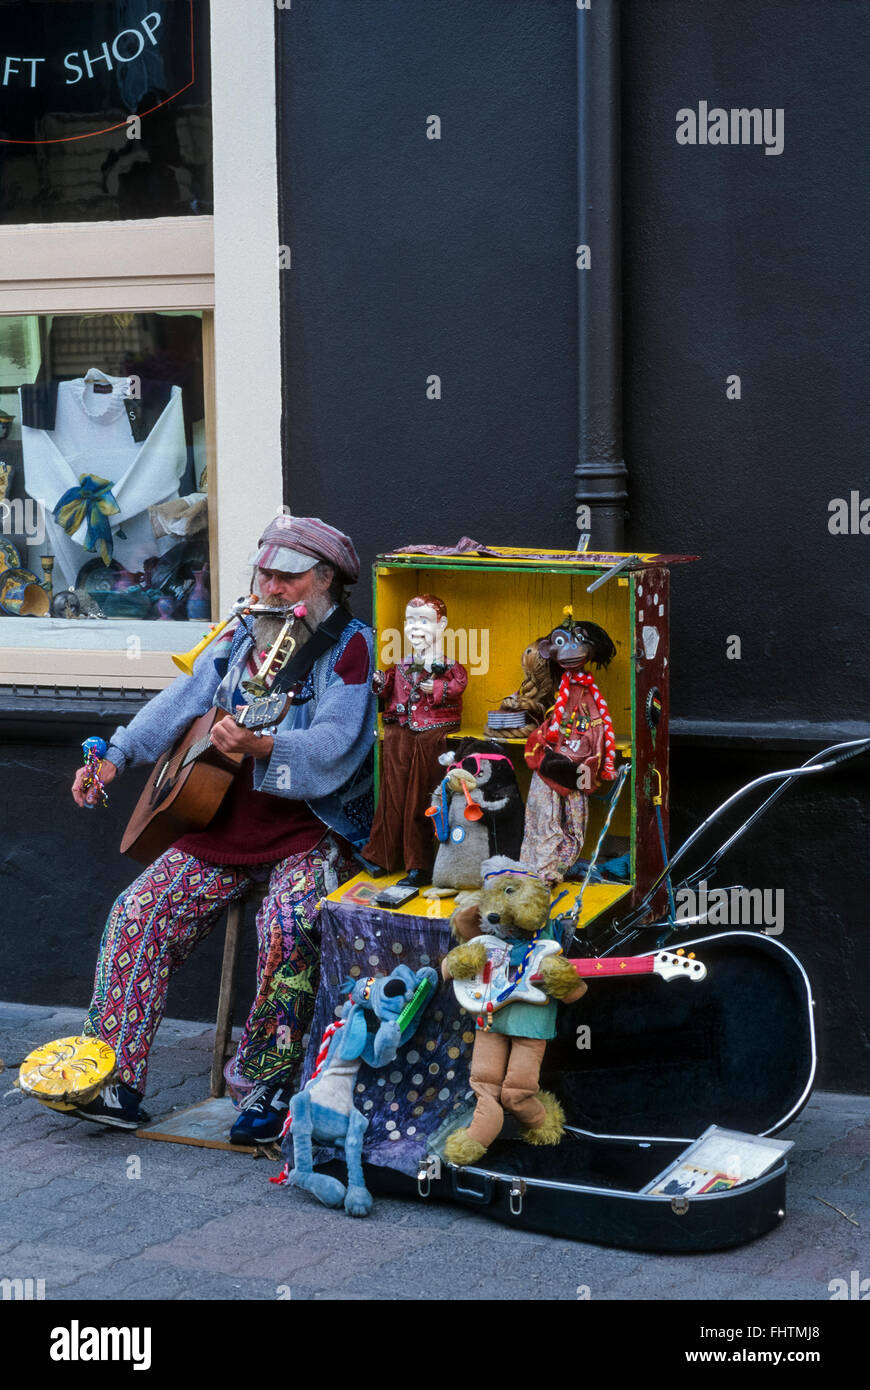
x: 553, y: 732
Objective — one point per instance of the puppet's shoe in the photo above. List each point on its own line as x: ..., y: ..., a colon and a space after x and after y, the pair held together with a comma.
x: 552, y: 1127
x: 415, y: 878
x: 358, y: 1201
x: 461, y: 1149
x: 373, y: 870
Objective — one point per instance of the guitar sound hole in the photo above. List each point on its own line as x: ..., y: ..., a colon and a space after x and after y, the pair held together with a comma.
x: 162, y: 787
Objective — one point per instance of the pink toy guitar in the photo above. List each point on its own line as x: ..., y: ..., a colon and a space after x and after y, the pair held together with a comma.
x: 495, y: 976
x: 670, y: 965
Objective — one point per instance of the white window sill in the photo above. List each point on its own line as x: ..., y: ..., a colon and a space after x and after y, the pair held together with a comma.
x: 99, y: 634
x: 112, y: 653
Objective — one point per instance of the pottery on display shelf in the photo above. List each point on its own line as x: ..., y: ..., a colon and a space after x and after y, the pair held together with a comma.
x: 198, y: 600
x: 22, y: 595
x: 9, y: 556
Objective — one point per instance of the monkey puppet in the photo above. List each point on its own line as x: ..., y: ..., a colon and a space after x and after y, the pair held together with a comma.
x: 571, y: 753
x: 519, y: 714
x: 510, y: 1041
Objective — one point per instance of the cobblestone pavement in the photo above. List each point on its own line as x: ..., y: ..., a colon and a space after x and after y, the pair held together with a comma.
x: 205, y: 1224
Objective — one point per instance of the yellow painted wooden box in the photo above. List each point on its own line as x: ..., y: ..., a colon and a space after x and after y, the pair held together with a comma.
x: 498, y: 602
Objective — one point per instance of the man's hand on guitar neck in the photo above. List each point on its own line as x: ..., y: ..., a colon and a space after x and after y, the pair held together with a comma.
x: 108, y: 772
x: 228, y: 737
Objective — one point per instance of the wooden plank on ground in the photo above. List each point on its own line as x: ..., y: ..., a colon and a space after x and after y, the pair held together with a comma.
x: 206, y: 1124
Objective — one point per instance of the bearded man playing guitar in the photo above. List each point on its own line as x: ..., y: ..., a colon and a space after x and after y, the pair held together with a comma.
x: 298, y: 804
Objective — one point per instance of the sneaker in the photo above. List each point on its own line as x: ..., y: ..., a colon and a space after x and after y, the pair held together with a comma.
x: 116, y: 1106
x: 263, y: 1114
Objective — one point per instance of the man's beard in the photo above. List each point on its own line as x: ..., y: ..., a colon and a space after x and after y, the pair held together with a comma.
x: 267, y: 630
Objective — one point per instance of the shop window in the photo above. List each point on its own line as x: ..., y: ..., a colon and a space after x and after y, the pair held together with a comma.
x: 104, y: 508
x: 105, y: 110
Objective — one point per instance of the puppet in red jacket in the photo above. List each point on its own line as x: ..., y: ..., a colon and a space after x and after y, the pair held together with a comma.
x: 422, y: 699
x: 571, y: 753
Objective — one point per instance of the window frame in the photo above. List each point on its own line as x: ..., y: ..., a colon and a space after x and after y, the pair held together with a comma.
x: 225, y: 265
x: 154, y: 267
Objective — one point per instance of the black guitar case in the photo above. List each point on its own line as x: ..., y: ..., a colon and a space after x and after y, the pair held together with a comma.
x: 642, y: 1066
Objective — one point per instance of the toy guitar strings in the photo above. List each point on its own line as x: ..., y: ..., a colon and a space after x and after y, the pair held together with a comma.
x: 537, y: 949
x: 486, y: 993
x: 511, y: 1036
x: 94, y: 749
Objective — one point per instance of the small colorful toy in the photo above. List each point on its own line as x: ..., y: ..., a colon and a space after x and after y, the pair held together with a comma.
x: 94, y: 749
x: 477, y: 811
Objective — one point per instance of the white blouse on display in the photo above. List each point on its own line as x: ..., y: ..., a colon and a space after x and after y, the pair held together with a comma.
x: 92, y: 435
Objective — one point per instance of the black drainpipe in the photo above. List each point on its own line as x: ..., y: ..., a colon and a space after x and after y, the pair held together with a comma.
x: 601, y: 474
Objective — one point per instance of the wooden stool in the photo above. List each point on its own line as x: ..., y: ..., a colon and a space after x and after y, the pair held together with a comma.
x: 224, y: 1022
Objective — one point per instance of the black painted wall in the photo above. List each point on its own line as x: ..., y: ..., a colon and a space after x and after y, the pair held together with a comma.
x: 456, y: 257
x: 414, y: 256
x: 742, y: 262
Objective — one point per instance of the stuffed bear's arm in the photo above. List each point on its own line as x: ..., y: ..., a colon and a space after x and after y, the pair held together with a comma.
x: 464, y: 962
x: 561, y: 980
x: 465, y: 922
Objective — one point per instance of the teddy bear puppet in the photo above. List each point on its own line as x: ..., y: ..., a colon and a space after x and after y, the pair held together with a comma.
x: 512, y: 1033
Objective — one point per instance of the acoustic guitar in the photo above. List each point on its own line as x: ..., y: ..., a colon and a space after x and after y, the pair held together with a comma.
x: 187, y: 785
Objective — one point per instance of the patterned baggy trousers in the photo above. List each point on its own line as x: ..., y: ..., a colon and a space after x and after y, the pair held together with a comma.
x: 156, y: 923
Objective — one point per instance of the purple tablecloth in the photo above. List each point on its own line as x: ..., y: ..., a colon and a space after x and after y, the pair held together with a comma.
x: 414, y: 1096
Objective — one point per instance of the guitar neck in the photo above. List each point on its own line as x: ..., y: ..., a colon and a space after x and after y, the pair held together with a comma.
x: 257, y: 715
x: 196, y: 750
x: 616, y: 965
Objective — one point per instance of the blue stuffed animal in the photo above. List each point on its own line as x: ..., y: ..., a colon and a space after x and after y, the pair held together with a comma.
x: 323, y: 1111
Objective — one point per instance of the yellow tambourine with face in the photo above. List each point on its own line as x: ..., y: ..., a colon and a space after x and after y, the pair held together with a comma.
x: 68, y: 1072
